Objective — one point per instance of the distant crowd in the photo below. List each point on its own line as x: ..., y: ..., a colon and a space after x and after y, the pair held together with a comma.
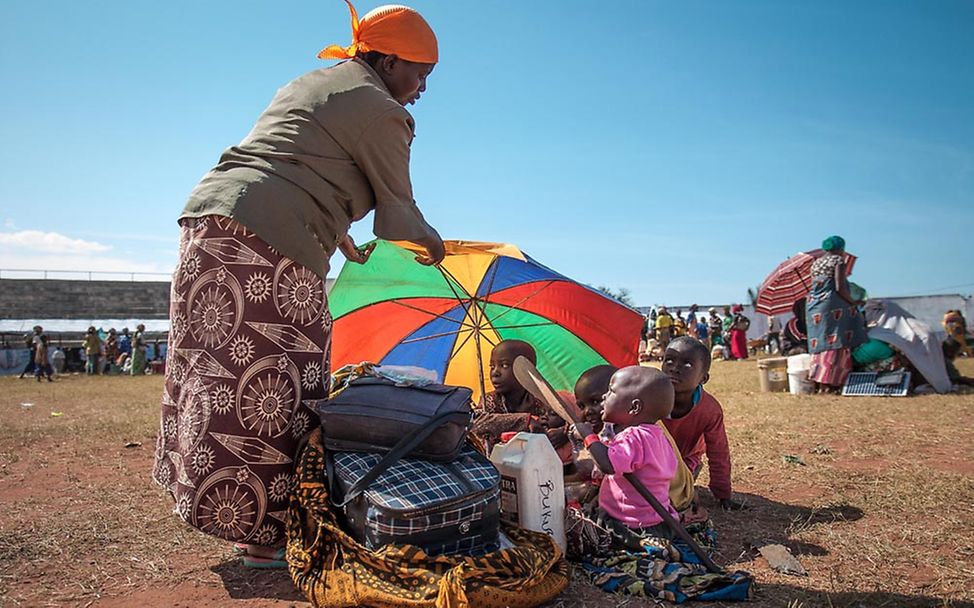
x: 725, y: 335
x: 100, y: 353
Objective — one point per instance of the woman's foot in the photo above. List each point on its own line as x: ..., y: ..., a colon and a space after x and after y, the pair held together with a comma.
x: 264, y: 552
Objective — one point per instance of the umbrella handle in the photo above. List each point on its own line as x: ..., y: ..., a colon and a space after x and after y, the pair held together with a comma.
x: 672, y: 524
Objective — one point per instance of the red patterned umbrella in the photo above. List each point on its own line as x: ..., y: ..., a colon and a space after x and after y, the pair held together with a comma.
x: 791, y: 281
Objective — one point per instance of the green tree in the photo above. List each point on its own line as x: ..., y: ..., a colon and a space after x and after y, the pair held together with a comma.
x: 622, y: 294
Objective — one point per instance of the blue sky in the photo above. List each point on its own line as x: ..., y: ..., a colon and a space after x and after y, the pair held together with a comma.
x: 679, y: 149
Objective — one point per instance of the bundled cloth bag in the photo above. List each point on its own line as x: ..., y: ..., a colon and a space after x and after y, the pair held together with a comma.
x: 334, y: 571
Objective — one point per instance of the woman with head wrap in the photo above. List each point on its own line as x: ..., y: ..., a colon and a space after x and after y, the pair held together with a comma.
x: 738, y: 332
x: 250, y: 330
x: 832, y: 318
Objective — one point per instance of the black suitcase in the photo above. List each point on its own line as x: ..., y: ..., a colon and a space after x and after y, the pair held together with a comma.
x: 374, y: 414
x: 445, y: 508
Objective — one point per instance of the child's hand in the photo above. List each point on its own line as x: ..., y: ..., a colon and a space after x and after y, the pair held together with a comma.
x: 729, y: 504
x: 557, y: 436
x: 583, y: 430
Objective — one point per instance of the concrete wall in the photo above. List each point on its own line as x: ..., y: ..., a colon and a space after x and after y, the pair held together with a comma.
x: 60, y: 299
x: 63, y: 299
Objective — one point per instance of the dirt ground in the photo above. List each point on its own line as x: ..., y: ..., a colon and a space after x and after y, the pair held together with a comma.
x: 878, y: 504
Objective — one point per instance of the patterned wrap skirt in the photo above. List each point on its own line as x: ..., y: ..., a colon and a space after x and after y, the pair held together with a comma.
x: 831, y: 367
x: 249, y: 347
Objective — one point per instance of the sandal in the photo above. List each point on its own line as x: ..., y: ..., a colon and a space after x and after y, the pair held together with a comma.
x: 240, y: 548
x: 264, y: 563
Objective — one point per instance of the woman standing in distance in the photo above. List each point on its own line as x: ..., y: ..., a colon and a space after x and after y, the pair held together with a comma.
x: 250, y: 330
x: 834, y: 324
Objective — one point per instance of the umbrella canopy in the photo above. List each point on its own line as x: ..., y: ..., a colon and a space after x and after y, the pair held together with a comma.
x: 791, y: 281
x: 447, y: 318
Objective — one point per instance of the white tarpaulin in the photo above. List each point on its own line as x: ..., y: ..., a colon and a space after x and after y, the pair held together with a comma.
x: 891, y: 324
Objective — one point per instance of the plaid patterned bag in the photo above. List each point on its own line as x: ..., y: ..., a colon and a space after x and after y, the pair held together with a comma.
x: 443, y: 508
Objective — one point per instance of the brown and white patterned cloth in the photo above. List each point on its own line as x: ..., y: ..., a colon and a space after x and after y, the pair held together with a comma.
x: 249, y: 347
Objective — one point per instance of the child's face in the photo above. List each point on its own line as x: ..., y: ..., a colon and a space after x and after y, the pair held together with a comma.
x: 593, y: 416
x: 589, y: 399
x: 683, y: 365
x: 502, y: 370
x: 617, y: 402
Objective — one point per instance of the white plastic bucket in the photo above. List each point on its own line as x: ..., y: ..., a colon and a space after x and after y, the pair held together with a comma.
x: 798, y: 382
x: 799, y: 362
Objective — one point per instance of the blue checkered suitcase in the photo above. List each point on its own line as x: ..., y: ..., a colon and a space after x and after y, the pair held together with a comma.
x: 445, y: 508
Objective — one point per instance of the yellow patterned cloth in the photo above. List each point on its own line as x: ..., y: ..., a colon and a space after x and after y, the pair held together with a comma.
x: 335, y: 571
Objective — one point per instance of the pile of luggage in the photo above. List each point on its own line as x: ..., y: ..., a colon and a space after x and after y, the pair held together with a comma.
x: 400, y: 470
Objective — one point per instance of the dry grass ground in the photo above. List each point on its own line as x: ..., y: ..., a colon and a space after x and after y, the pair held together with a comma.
x: 881, y: 513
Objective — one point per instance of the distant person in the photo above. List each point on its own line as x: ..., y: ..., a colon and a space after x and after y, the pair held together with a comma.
x: 774, y: 334
x: 679, y: 325
x: 138, y: 351
x: 664, y: 327
x: 794, y: 337
x: 58, y: 360
x: 92, y: 347
x: 29, y: 343
x: 111, y: 350
x: 738, y: 332
x: 42, y: 364
x: 956, y: 327
x: 715, y: 327
x: 835, y: 325
x: 703, y: 331
x: 124, y: 344
x: 692, y: 315
x: 951, y: 349
x: 727, y: 322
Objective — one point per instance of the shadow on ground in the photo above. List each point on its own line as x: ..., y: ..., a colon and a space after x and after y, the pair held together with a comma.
x: 767, y: 521
x: 243, y: 583
x: 874, y: 599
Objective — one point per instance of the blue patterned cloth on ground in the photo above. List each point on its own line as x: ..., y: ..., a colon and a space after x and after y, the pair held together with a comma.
x: 625, y: 561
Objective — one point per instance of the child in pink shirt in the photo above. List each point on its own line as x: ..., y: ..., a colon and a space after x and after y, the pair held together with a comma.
x: 636, y: 399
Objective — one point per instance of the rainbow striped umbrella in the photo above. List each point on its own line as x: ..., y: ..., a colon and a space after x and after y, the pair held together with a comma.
x: 447, y: 318
x: 791, y: 281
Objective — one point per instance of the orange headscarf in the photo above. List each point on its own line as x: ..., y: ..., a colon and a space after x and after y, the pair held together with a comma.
x: 391, y: 29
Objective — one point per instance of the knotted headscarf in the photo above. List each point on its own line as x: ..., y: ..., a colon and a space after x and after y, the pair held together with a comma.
x: 833, y: 243
x: 391, y: 29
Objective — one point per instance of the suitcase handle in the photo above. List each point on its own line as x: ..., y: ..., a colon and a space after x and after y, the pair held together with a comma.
x: 404, y: 446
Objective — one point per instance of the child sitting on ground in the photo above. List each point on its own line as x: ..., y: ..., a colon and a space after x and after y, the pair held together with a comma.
x: 590, y: 388
x: 637, y: 398
x: 697, y: 420
x: 951, y: 349
x: 510, y: 407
